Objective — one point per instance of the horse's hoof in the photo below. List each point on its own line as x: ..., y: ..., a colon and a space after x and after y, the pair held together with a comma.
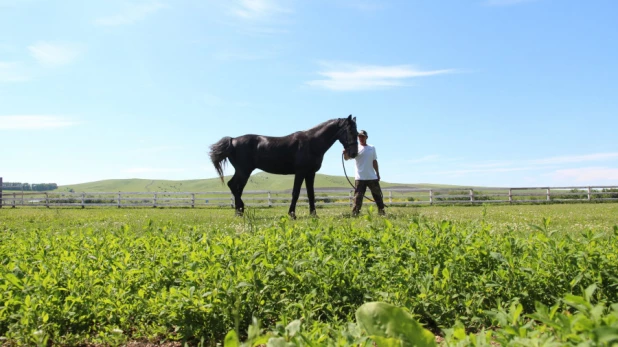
x: 239, y: 213
x: 314, y: 214
x: 292, y: 215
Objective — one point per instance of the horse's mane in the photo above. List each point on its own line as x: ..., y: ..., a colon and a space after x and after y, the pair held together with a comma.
x: 323, y: 125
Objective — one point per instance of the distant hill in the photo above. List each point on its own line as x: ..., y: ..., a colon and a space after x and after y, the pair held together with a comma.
x: 259, y: 181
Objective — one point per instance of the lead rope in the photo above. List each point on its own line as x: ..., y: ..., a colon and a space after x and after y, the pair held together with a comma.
x: 346, y: 176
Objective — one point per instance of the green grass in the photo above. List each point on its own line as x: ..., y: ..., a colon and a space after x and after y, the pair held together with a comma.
x: 110, y: 275
x: 564, y: 217
x: 259, y: 181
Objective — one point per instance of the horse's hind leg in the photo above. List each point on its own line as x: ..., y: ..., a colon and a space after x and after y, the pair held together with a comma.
x: 237, y: 184
x: 232, y: 184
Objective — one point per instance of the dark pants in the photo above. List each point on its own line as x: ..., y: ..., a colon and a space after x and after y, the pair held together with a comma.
x: 359, y: 193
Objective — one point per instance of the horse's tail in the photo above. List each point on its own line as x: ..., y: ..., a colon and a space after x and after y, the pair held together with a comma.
x: 219, y: 152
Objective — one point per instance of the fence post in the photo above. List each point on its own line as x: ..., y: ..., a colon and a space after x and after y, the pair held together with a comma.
x: 83, y: 199
x: 588, y: 194
x: 192, y: 200
x: 155, y: 200
x: 471, y: 195
x: 270, y: 203
x: 14, y: 197
x: 0, y: 192
x: 118, y: 200
x: 510, y: 195
x: 350, y: 195
x: 46, y: 200
x: 548, y: 198
x: 390, y: 198
x: 232, y: 200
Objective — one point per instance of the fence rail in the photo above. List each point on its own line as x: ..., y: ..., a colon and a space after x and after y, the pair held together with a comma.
x: 392, y: 197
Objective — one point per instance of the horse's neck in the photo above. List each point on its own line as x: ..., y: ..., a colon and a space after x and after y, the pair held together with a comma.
x: 324, y: 136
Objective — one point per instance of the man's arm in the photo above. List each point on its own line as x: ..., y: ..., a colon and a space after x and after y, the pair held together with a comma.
x: 375, y: 167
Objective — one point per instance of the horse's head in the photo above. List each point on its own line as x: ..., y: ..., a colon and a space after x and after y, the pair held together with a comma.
x: 348, y: 136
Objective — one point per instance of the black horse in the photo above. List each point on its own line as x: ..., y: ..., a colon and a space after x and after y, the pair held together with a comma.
x: 299, y: 154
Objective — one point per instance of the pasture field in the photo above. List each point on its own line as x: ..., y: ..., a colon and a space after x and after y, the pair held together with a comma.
x: 475, y: 275
x: 258, y: 181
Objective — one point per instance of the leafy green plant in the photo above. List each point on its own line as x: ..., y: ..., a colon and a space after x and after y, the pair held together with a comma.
x: 390, y: 325
x: 110, y: 276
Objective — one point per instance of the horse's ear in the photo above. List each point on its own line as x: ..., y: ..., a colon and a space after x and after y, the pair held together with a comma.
x: 354, y: 119
x: 350, y: 117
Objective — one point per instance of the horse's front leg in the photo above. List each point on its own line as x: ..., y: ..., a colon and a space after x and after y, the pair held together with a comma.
x: 298, y: 181
x: 309, y: 180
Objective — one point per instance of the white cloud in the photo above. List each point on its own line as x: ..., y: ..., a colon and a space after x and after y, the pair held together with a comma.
x: 54, y: 54
x: 32, y: 122
x: 13, y: 72
x: 255, y: 18
x: 587, y: 175
x: 350, y: 77
x: 505, y: 2
x: 130, y: 15
x: 257, y: 9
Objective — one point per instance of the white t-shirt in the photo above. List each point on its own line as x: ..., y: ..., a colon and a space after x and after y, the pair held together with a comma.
x: 364, y: 163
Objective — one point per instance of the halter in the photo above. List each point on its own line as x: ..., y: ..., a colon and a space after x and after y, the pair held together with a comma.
x: 348, y: 145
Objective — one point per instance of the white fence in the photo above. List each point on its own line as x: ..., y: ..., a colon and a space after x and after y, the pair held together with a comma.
x: 392, y: 197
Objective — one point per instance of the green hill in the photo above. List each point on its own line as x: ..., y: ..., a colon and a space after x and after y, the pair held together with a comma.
x: 259, y: 181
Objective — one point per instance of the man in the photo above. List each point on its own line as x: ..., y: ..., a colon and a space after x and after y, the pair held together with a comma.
x: 367, y: 174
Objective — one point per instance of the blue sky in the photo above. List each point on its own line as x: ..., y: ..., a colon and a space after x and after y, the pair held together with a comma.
x: 467, y: 92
